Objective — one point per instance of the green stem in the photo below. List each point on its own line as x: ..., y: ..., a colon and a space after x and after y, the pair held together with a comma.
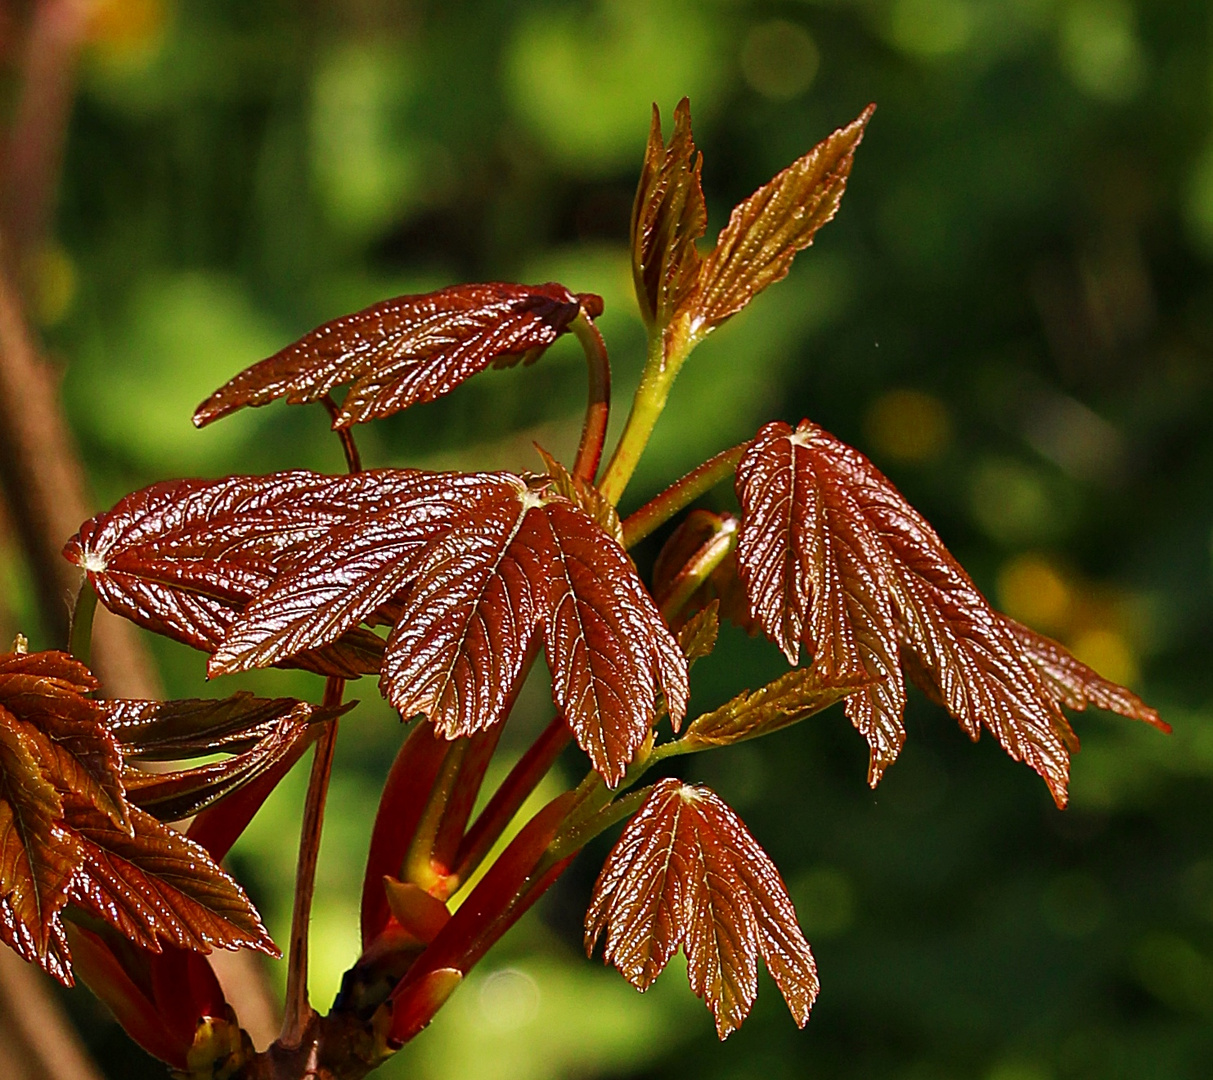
x: 647, y: 405
x: 572, y: 840
x: 298, y: 1012
x: 598, y: 407
x: 419, y: 863
x: 681, y: 494
x: 80, y: 634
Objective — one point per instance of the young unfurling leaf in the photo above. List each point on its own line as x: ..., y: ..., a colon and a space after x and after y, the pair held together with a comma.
x: 481, y: 574
x: 764, y: 233
x: 833, y: 557
x: 789, y: 699
x: 69, y: 835
x: 668, y: 216
x: 686, y: 872
x: 408, y: 350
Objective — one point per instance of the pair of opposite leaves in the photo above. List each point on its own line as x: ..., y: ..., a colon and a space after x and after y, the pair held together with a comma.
x: 81, y: 827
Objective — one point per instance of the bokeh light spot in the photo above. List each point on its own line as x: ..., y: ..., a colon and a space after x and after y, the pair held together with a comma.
x: 1100, y: 50
x: 779, y: 59
x: 121, y: 29
x: 1108, y: 653
x: 908, y: 425
x: 1010, y: 502
x: 509, y: 999
x: 1032, y: 590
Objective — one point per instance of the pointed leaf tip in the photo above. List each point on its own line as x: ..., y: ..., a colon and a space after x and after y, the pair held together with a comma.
x: 669, y: 214
x: 686, y: 872
x: 407, y: 350
x: 833, y: 558
x: 766, y: 231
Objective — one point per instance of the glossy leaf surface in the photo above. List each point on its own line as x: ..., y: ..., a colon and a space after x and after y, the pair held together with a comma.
x: 190, y: 727
x: 158, y: 886
x: 408, y: 350
x: 764, y: 233
x: 668, y: 216
x: 486, y: 567
x: 70, y: 836
x: 75, y: 748
x: 832, y: 557
x: 686, y: 872
x: 184, y: 558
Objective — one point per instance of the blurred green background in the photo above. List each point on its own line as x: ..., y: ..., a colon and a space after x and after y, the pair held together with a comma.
x: 1012, y: 315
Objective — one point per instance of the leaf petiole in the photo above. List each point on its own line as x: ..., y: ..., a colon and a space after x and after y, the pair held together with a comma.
x: 679, y: 495
x: 298, y: 1012
x: 80, y: 633
x: 598, y: 407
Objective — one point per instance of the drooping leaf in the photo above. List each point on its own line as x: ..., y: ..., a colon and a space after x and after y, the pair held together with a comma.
x: 75, y: 748
x: 791, y: 698
x: 190, y: 727
x: 482, y: 585
x: 1077, y: 685
x: 408, y: 350
x: 174, y: 796
x: 37, y: 857
x: 764, y: 233
x: 184, y: 558
x: 686, y: 872
x: 668, y: 216
x: 834, y: 558
x: 158, y: 886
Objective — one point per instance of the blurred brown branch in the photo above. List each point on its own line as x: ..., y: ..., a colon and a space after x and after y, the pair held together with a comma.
x: 34, y: 145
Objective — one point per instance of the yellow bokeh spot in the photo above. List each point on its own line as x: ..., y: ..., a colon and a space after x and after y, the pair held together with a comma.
x: 52, y: 278
x: 779, y: 59
x: 1034, y: 591
x: 908, y: 425
x: 1108, y: 653
x: 125, y: 27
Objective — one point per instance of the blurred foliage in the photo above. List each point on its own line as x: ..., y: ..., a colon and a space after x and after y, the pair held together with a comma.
x: 1013, y: 315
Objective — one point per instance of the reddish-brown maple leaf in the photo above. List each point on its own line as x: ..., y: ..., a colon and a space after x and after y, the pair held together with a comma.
x: 686, y: 872
x: 833, y: 557
x: 76, y: 749
x: 685, y: 295
x: 756, y: 248
x: 183, y: 558
x: 69, y: 835
x: 408, y: 350
x: 158, y: 886
x: 483, y: 573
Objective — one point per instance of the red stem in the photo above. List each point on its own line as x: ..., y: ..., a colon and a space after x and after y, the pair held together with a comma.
x: 681, y: 494
x: 507, y: 800
x: 598, y: 407
x: 350, y: 448
x: 298, y: 1012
